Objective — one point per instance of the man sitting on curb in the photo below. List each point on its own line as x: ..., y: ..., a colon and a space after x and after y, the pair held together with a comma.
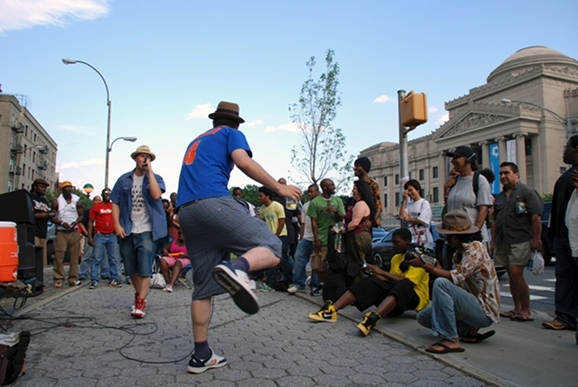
x: 403, y: 288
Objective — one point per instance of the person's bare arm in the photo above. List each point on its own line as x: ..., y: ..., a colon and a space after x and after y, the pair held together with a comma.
x: 256, y: 172
x: 118, y: 230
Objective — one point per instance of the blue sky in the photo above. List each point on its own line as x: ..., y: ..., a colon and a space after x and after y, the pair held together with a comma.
x: 168, y: 64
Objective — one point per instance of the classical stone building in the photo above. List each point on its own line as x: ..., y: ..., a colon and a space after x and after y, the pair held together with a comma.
x: 27, y: 151
x: 521, y: 114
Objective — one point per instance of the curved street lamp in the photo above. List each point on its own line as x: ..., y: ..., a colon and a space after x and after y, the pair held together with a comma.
x: 67, y: 61
x: 567, y: 122
x: 129, y: 138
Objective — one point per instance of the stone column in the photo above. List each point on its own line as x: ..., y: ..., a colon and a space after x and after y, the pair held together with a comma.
x: 521, y: 155
x: 485, y: 154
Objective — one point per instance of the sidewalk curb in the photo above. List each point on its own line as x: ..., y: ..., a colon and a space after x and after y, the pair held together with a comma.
x: 419, y: 346
x: 40, y: 303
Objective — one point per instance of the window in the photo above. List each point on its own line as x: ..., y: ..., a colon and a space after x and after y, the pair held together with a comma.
x: 435, y: 172
x: 385, y: 181
x: 436, y: 195
x: 397, y: 199
x: 528, y: 144
x: 397, y: 179
x: 384, y: 201
x: 421, y: 174
x: 410, y: 175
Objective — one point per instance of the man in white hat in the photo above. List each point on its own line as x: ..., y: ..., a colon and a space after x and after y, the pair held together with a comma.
x: 215, y: 225
x: 139, y: 221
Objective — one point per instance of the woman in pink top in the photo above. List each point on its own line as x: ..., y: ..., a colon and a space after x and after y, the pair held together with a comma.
x: 174, y: 259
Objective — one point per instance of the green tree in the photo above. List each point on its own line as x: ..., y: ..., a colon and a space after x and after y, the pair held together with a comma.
x: 250, y: 194
x: 321, y: 153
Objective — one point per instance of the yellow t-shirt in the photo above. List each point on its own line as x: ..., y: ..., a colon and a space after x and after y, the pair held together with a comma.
x: 272, y: 214
x: 417, y: 275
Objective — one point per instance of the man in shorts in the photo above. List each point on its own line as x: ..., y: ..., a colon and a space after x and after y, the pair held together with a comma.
x: 215, y: 225
x: 516, y: 232
x: 139, y: 221
x: 325, y: 210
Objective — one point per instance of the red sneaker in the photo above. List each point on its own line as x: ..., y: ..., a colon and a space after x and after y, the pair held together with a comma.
x: 140, y: 306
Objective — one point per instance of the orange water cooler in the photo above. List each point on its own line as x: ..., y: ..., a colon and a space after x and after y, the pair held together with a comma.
x: 8, y: 252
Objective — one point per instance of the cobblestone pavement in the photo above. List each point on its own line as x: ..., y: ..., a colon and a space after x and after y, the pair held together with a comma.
x: 87, y: 338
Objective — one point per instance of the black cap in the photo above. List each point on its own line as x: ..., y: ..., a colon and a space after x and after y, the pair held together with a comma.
x: 465, y: 151
x: 364, y: 163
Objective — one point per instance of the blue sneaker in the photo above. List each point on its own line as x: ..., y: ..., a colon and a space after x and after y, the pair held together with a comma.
x: 236, y: 282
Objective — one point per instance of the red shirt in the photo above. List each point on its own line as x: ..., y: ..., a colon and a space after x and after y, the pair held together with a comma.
x: 102, y: 214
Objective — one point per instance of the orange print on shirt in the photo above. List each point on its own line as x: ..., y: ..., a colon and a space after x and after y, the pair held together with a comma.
x: 191, y: 153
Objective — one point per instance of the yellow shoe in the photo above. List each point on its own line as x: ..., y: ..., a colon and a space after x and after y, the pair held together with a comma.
x: 327, y: 313
x: 369, y: 322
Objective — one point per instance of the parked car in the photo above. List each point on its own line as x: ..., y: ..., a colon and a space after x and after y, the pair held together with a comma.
x: 547, y: 243
x: 378, y: 233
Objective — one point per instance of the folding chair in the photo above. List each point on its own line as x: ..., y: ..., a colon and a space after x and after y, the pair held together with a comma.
x: 184, y: 279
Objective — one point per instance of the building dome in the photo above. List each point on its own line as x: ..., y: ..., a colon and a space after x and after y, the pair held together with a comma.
x: 529, y: 57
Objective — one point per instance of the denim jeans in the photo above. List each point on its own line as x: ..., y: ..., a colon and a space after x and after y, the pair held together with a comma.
x: 566, y: 294
x: 302, y: 257
x: 137, y: 251
x: 105, y: 244
x: 86, y: 263
x: 453, y: 311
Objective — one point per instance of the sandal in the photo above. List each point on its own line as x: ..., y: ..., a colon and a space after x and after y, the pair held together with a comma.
x: 478, y: 337
x: 445, y: 348
x: 508, y: 314
x: 521, y: 317
x: 58, y: 284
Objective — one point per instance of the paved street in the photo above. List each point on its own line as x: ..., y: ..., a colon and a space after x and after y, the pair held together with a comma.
x: 86, y: 337
x: 277, y: 347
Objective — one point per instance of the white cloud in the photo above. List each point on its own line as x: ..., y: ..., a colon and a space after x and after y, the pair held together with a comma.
x: 433, y: 109
x: 252, y: 123
x: 383, y: 99
x: 201, y: 111
x: 85, y: 163
x: 443, y: 119
x: 20, y: 14
x: 291, y: 127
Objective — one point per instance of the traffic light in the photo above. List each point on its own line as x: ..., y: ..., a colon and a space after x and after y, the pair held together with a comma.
x: 413, y: 110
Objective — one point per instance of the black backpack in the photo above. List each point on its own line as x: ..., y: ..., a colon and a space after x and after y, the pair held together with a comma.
x: 335, y: 283
x: 13, y: 359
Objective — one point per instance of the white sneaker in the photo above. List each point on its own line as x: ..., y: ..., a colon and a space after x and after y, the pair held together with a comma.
x: 196, y: 365
x: 236, y: 282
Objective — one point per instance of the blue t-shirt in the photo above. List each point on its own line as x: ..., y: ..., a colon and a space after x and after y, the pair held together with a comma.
x: 207, y: 164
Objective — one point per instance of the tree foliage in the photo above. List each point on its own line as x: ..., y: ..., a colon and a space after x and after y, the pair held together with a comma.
x: 250, y: 194
x: 321, y: 153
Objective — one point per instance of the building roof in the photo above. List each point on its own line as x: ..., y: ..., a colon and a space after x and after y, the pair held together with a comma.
x: 529, y: 57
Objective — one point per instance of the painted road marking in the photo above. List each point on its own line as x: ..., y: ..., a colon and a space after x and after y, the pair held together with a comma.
x: 532, y: 297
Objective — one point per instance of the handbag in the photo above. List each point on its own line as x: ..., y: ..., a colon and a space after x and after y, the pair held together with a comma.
x: 158, y: 281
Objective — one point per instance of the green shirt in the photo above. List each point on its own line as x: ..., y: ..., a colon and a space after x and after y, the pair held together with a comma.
x: 325, y: 220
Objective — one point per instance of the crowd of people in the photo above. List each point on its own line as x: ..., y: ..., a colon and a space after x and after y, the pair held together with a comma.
x: 228, y: 242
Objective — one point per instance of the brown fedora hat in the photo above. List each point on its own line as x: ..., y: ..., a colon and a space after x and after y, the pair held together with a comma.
x: 143, y: 149
x: 456, y: 222
x: 228, y: 110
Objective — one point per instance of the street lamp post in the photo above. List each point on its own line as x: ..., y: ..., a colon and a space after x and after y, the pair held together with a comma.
x: 67, y: 61
x: 567, y: 122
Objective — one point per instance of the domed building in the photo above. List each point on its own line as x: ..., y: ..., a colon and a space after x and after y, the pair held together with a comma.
x: 522, y: 114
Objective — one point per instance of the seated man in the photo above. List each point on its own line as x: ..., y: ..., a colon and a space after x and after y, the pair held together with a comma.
x: 403, y: 288
x: 174, y: 258
x: 466, y: 298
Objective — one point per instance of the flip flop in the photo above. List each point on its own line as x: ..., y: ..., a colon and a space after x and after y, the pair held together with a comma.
x: 477, y: 338
x: 508, y: 314
x: 521, y: 317
x: 445, y: 349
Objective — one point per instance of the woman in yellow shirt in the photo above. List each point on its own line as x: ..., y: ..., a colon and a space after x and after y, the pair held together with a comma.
x: 403, y: 288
